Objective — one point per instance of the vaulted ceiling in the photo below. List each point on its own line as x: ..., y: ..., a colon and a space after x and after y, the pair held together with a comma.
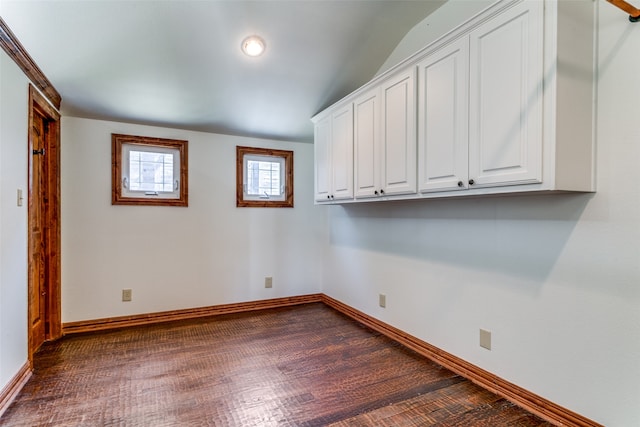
x: 178, y: 63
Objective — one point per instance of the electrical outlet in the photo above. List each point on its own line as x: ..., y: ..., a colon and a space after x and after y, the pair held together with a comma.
x: 126, y: 295
x: 485, y: 339
x: 20, y: 198
x: 382, y: 300
x: 268, y: 282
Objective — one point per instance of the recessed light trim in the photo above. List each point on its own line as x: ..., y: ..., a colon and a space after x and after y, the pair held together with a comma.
x: 253, y: 46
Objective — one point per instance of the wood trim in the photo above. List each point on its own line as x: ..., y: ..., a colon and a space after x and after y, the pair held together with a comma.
x: 118, y: 140
x: 521, y: 397
x: 39, y: 104
x: 186, y: 314
x: 634, y: 13
x: 18, y: 53
x: 288, y: 178
x: 11, y: 390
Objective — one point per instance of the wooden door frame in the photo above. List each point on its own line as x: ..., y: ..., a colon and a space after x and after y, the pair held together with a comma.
x: 52, y: 248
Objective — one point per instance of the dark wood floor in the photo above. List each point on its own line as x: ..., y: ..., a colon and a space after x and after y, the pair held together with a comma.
x: 300, y: 366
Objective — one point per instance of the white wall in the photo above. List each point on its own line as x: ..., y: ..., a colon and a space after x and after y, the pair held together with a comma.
x: 556, y: 279
x: 172, y: 258
x: 444, y: 19
x: 13, y: 219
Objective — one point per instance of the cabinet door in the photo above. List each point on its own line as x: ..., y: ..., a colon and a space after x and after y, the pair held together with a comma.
x: 342, y: 152
x: 505, y: 114
x: 443, y: 105
x: 399, y: 133
x: 322, y: 152
x: 366, y: 142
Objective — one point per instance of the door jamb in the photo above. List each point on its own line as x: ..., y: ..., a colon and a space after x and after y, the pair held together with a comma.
x: 53, y: 307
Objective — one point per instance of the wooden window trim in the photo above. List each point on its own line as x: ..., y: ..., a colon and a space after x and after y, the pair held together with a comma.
x: 117, y: 141
x: 288, y: 176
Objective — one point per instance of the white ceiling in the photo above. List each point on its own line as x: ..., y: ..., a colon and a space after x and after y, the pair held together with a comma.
x: 178, y: 63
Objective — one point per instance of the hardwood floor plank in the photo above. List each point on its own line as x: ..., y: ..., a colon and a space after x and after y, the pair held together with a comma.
x: 426, y: 409
x: 306, y: 365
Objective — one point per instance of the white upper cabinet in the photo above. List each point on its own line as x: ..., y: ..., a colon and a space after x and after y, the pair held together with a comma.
x: 443, y: 111
x: 385, y: 138
x: 506, y: 82
x: 398, y: 130
x: 342, y: 152
x: 334, y: 155
x: 367, y: 149
x: 322, y: 162
x: 503, y: 103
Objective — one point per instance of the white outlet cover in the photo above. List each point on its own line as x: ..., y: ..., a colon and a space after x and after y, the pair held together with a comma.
x: 382, y: 300
x: 485, y: 339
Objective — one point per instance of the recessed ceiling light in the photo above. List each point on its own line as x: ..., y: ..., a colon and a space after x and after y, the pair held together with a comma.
x: 253, y: 46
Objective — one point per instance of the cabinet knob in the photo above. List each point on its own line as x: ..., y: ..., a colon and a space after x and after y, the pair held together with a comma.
x: 460, y: 184
x: 328, y: 196
x: 375, y: 192
x: 332, y: 197
x: 471, y: 182
x: 381, y: 191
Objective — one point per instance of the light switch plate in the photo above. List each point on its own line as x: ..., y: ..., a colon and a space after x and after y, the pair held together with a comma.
x: 382, y: 300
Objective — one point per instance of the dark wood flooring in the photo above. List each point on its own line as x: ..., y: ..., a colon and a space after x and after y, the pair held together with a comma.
x: 299, y: 366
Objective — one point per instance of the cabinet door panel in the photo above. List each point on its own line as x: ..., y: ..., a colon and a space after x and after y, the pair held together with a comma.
x: 443, y: 107
x: 506, y: 74
x: 342, y: 153
x: 322, y: 149
x: 399, y: 133
x: 366, y: 141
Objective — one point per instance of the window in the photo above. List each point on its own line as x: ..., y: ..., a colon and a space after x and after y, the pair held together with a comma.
x: 264, y: 177
x: 148, y: 171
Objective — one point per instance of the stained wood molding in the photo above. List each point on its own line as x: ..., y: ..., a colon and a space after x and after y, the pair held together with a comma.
x: 120, y: 196
x: 41, y: 109
x: 11, y: 390
x: 191, y: 313
x: 18, y: 53
x: 285, y: 155
x: 521, y: 397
